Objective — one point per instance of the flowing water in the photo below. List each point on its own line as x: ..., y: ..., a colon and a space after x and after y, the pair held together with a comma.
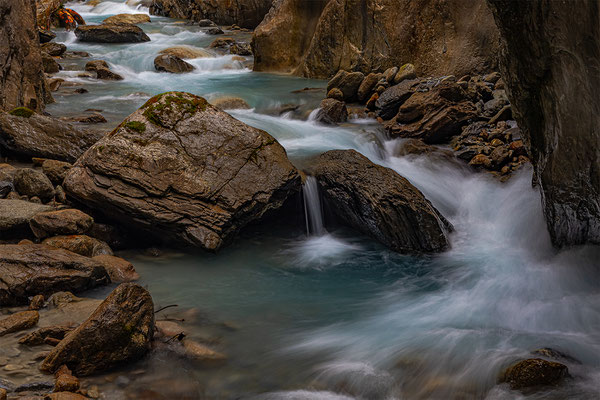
x: 331, y: 314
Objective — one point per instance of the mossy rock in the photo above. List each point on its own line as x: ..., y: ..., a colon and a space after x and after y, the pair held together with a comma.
x: 22, y: 112
x: 136, y: 126
x: 160, y: 109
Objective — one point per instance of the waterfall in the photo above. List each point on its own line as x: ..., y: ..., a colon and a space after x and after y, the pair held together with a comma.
x: 312, y: 207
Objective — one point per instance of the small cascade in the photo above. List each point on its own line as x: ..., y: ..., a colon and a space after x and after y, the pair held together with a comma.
x: 312, y: 207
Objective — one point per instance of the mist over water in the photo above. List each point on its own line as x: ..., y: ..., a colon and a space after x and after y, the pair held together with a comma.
x: 326, y: 313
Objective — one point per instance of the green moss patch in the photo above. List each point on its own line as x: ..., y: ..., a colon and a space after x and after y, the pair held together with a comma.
x: 136, y: 126
x: 172, y: 102
x: 22, y: 112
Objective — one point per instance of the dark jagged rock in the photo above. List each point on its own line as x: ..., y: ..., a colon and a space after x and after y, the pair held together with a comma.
x: 245, y: 13
x: 380, y: 203
x: 45, y: 137
x: 388, y: 103
x: 318, y: 38
x: 120, y: 330
x: 551, y: 66
x: 106, y: 33
x: 21, y: 83
x: 534, y: 372
x: 182, y: 168
x: 31, y: 269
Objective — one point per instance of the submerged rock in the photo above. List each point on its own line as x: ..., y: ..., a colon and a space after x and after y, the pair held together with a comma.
x: 534, y: 372
x: 45, y: 137
x: 119, y: 330
x: 31, y: 269
x: 39, y: 337
x: 121, y: 19
x: 186, y: 170
x: 106, y: 33
x: 172, y: 64
x: 380, y: 203
x: 18, y: 322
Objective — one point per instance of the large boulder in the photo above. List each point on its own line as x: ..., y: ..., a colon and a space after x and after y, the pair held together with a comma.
x: 185, y: 170
x: 172, y: 64
x: 45, y: 137
x: 119, y: 331
x: 15, y: 216
x: 317, y: 38
x: 21, y: 83
x: 32, y: 269
x: 550, y: 65
x: 62, y: 222
x: 348, y: 83
x: 114, y: 33
x: 121, y: 19
x: 435, y: 115
x: 244, y: 13
x: 380, y: 203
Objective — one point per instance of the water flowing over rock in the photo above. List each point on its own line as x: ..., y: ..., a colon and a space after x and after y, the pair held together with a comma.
x: 318, y: 38
x: 534, y: 372
x: 120, y: 330
x: 21, y: 83
x: 380, y: 203
x: 114, y: 33
x: 245, y: 13
x: 182, y: 168
x: 551, y: 65
x: 31, y: 269
x: 126, y: 19
x: 45, y: 137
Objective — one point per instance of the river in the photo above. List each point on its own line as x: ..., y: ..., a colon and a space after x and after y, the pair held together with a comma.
x: 332, y: 314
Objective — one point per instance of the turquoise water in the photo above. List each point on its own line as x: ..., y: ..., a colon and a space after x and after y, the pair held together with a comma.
x: 337, y: 316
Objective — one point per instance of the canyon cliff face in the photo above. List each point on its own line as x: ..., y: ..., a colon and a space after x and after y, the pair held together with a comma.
x: 551, y: 64
x: 245, y: 13
x: 22, y: 82
x: 318, y: 38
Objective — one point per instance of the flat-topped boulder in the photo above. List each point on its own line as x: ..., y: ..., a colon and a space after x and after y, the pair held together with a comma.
x: 32, y: 269
x: 380, y: 203
x: 44, y: 137
x: 182, y: 168
x: 111, y: 33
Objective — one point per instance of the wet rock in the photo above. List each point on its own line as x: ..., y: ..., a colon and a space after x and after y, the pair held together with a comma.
x: 79, y: 244
x: 186, y: 52
x: 367, y: 87
x: 241, y: 49
x: 202, y: 354
x: 54, y: 49
x: 2, y: 394
x: 49, y: 64
x: 389, y: 102
x: 418, y: 147
x: 100, y: 67
x: 119, y: 331
x: 18, y: 322
x: 214, y: 31
x: 55, y: 83
x: 172, y: 64
x: 59, y: 195
x: 534, y: 372
x: 64, y: 396
x: 62, y: 222
x: 31, y: 182
x: 46, y: 35
x: 380, y: 203
x: 222, y: 43
x: 335, y: 93
x: 38, y: 337
x: 65, y: 381
x: 121, y: 19
x: 332, y: 111
x: 31, y: 269
x: 206, y: 23
x: 168, y: 329
x: 61, y: 299
x: 348, y: 83
x: 179, y: 195
x: 406, y: 72
x: 56, y: 170
x: 434, y: 116
x: 230, y: 103
x: 94, y: 118
x: 42, y: 136
x: 504, y: 114
x: 37, y: 302
x: 15, y: 216
x: 106, y: 33
x: 118, y: 269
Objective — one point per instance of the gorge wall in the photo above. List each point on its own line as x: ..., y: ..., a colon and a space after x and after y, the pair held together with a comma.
x: 317, y: 38
x: 551, y: 64
x: 22, y: 82
x: 245, y: 13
